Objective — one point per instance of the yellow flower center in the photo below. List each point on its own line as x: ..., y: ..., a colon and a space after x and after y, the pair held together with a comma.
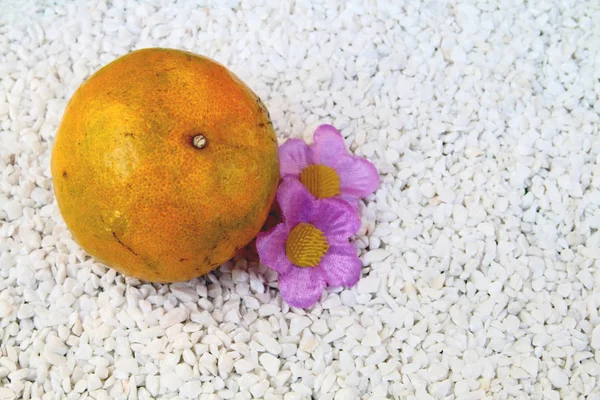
x: 321, y: 181
x: 306, y: 245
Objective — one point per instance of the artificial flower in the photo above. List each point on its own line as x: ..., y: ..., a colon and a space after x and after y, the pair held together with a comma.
x: 326, y: 167
x: 310, y: 249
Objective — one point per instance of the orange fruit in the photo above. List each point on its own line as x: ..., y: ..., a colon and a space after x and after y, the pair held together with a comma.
x: 164, y: 165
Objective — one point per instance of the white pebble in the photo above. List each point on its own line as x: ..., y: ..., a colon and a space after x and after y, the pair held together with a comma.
x: 184, y: 372
x: 93, y: 382
x: 153, y: 384
x: 270, y: 363
x: 7, y: 394
x: 459, y: 317
x: 345, y: 394
x: 258, y: 390
x: 558, y: 378
x: 30, y: 238
x: 5, y: 309
x: 595, y: 341
x: 191, y: 390
x: 127, y: 365
x: 226, y: 363
x: 13, y: 210
x: 375, y: 256
x: 411, y: 258
x: 269, y: 343
x: 174, y: 316
x: 371, y: 338
x: 368, y: 284
x: 486, y: 228
x: 442, y: 247
x: 184, y: 292
x: 298, y: 324
x: 530, y: 365
x: 243, y: 366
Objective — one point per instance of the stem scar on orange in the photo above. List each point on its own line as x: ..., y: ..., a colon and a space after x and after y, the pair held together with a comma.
x: 164, y: 165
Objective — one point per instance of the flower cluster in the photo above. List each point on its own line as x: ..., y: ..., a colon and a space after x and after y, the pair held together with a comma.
x: 318, y: 197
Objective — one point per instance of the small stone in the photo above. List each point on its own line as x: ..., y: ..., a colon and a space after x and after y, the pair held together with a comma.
x: 437, y: 372
x: 595, y: 341
x: 375, y: 256
x: 518, y: 373
x: 93, y: 382
x: 13, y: 210
x: 441, y: 389
x: 591, y: 368
x: 7, y: 394
x: 411, y: 258
x: 184, y: 292
x: 371, y: 338
x: 511, y: 323
x: 153, y: 384
x: 288, y: 350
x: 128, y: 365
x: 348, y: 298
x: 486, y: 228
x: 80, y: 386
x: 564, y: 289
x: 392, y: 155
x: 184, y: 371
x: 298, y: 324
x: 270, y: 363
x: 174, y: 316
x: 268, y: 309
x: 259, y: 389
x: 427, y: 190
x: 346, y: 394
x: 334, y: 335
x: 240, y: 276
x: 101, y: 371
x: 18, y: 375
x: 308, y: 344
x: 459, y: 317
x: 271, y: 345
x: 460, y: 215
x: 369, y: 284
x: 30, y: 238
x: 558, y: 377
x: 443, y: 247
x: 191, y: 390
x: 530, y: 365
x: 225, y: 363
x: 5, y: 309
x: 319, y: 327
x: 25, y: 311
x: 243, y: 366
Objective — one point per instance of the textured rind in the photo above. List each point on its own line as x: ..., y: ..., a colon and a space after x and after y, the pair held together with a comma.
x: 131, y: 187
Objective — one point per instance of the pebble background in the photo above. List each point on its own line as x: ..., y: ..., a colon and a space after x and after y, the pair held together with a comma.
x: 481, y: 247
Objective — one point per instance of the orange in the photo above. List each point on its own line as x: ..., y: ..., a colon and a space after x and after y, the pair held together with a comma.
x: 164, y: 165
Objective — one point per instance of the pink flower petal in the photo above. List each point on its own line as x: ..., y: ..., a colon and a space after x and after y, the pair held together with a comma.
x: 295, y: 201
x: 341, y: 265
x: 337, y: 219
x: 270, y: 247
x: 294, y: 156
x: 301, y: 287
x: 358, y: 177
x: 351, y: 200
x: 328, y: 146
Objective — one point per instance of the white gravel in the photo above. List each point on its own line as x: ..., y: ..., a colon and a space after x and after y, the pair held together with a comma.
x: 481, y: 247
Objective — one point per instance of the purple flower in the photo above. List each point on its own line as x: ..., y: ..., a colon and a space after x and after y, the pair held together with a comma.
x: 310, y: 249
x: 326, y: 168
